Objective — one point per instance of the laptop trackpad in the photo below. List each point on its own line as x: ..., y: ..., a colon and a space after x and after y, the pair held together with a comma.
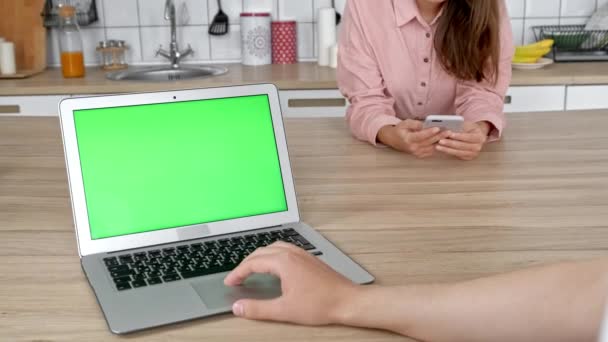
x: 216, y: 295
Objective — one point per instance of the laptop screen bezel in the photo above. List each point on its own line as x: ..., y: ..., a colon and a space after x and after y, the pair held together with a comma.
x: 88, y: 246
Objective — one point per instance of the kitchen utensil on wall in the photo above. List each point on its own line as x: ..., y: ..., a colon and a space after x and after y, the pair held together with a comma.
x: 70, y: 43
x: 112, y: 54
x: 338, y: 15
x: 284, y: 42
x: 256, y: 38
x: 86, y: 11
x: 326, y: 34
x: 220, y: 25
x: 21, y: 24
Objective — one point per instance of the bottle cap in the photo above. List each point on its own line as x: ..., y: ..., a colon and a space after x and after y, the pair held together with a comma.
x: 67, y: 11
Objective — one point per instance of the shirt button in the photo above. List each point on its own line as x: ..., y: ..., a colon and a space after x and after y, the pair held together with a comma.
x: 423, y: 84
x: 426, y: 60
x: 420, y: 103
x: 428, y: 35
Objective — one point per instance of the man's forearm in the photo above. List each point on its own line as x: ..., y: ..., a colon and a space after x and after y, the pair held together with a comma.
x: 555, y: 303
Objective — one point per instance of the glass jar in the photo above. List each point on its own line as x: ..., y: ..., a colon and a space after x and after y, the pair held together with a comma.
x: 70, y: 43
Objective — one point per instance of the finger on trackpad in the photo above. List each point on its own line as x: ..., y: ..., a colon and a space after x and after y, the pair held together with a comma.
x: 216, y: 295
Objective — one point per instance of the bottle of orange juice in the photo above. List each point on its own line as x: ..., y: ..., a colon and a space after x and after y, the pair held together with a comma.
x: 70, y: 43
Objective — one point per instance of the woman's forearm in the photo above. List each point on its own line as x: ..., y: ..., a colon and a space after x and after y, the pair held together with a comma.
x: 556, y: 303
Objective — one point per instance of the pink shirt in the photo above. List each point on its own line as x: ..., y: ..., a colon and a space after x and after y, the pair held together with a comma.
x: 389, y: 70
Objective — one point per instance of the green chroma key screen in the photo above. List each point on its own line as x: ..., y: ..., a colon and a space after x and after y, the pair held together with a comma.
x: 159, y: 166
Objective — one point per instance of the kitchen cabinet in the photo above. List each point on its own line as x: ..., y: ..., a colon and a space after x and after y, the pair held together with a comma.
x: 535, y: 99
x: 587, y: 97
x: 313, y: 103
x: 44, y: 105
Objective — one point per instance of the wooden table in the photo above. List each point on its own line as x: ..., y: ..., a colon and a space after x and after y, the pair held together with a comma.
x: 539, y: 196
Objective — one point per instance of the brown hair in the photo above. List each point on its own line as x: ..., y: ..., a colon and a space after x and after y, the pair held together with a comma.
x: 468, y: 39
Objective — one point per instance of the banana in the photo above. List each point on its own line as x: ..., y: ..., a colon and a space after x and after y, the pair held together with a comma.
x: 527, y: 60
x: 546, y: 43
x: 531, y: 52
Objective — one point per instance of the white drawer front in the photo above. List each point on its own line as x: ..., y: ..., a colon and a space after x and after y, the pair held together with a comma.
x: 587, y: 97
x: 31, y: 105
x: 313, y: 103
x: 535, y: 99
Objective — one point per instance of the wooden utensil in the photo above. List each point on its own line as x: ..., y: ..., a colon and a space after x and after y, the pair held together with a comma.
x: 220, y: 24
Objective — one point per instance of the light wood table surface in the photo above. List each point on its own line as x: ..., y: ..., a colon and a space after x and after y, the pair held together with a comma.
x: 539, y: 196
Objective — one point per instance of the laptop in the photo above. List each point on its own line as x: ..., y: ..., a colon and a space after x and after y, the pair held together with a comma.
x: 172, y: 190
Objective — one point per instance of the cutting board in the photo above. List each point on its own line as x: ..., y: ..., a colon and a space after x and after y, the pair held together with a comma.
x: 21, y: 23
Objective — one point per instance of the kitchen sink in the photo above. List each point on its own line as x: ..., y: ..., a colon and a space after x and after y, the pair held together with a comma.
x: 167, y: 74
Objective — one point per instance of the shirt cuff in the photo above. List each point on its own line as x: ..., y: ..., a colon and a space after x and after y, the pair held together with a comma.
x: 374, y: 126
x: 498, y: 124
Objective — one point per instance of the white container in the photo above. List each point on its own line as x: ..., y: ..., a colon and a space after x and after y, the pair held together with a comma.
x: 256, y: 38
x: 1, y: 41
x: 7, y: 58
x: 326, y: 34
x: 333, y: 56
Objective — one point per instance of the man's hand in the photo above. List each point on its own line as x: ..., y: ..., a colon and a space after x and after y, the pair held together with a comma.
x: 466, y: 145
x: 410, y: 137
x: 312, y: 292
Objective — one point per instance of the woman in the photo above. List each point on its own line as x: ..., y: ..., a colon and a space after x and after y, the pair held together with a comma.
x: 401, y: 60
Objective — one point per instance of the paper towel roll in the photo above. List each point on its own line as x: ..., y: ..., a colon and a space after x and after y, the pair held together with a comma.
x: 1, y: 41
x: 327, y: 34
x: 7, y: 58
x: 333, y: 56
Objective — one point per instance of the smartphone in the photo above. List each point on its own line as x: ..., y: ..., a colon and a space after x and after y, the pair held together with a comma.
x: 453, y: 123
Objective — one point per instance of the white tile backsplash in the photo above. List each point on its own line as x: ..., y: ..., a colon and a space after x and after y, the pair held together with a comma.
x: 516, y: 8
x: 227, y: 47
x: 300, y: 10
x: 578, y: 8
x: 542, y: 8
x: 90, y: 39
x: 189, y: 12
x: 131, y: 36
x: 517, y: 25
x: 142, y: 25
x: 121, y: 13
x: 305, y: 41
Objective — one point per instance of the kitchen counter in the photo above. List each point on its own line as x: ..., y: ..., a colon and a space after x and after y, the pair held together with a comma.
x: 286, y: 77
x: 538, y: 196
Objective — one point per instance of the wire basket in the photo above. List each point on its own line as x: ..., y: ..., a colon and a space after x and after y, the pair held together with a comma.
x: 85, y: 16
x: 574, y: 43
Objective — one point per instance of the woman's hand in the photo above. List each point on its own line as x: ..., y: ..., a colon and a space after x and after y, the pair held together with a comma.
x: 409, y: 136
x: 312, y: 292
x: 466, y: 145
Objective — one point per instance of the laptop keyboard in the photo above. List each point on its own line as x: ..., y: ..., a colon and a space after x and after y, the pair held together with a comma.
x: 164, y: 265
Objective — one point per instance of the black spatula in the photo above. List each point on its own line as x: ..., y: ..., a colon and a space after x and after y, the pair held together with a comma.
x: 338, y: 15
x: 220, y: 24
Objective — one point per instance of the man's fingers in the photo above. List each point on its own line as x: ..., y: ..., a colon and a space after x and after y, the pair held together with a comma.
x: 459, y: 145
x: 465, y: 155
x: 259, y: 309
x: 266, y: 263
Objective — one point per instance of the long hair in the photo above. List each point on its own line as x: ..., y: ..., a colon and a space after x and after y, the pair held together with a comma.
x: 468, y: 39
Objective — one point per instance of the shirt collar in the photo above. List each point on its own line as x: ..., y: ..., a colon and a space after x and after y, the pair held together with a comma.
x: 407, y: 10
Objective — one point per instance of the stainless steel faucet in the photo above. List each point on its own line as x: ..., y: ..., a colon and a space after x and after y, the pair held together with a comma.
x: 173, y: 55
